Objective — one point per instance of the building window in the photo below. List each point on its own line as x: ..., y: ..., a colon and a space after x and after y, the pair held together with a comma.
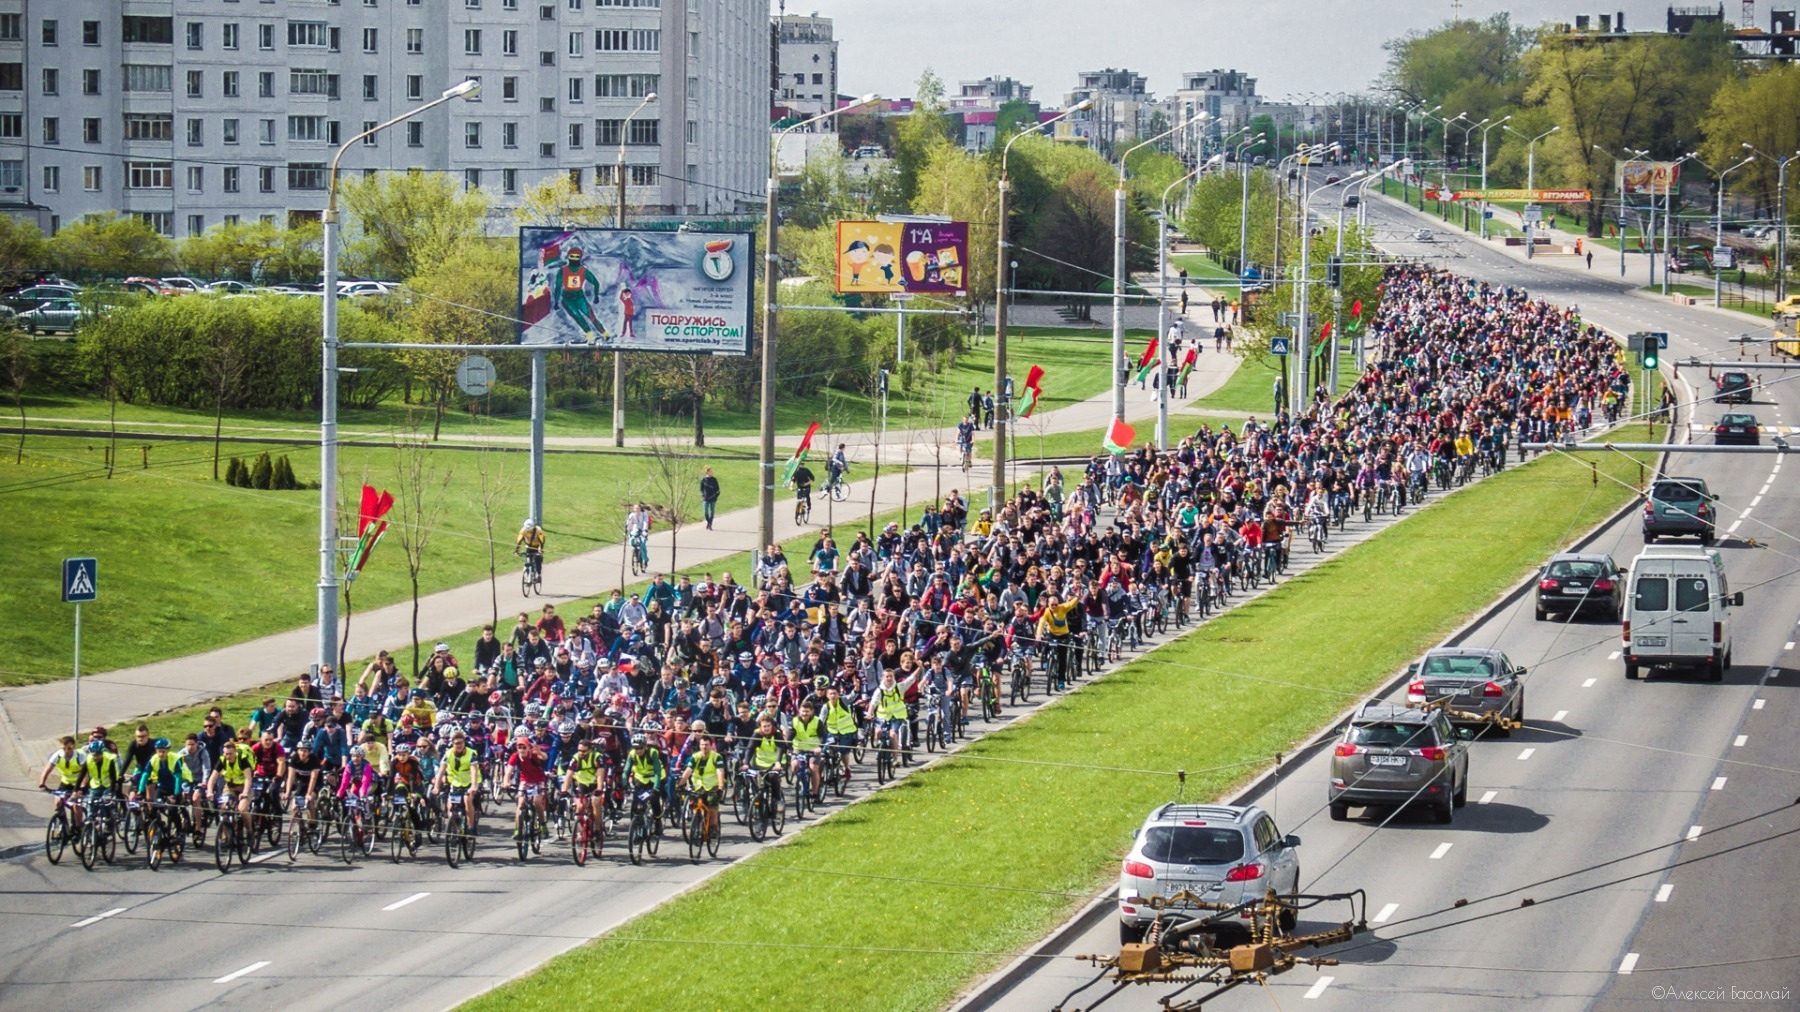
x: 306, y: 175
x: 228, y: 35
x: 546, y: 150
x: 196, y: 223
x: 471, y: 179
x: 415, y: 87
x: 149, y: 77
x: 371, y: 40
x: 643, y: 175
x: 196, y: 132
x: 149, y: 175
x: 625, y: 85
x: 415, y: 41
x: 310, y: 81
x: 509, y: 135
x: 606, y: 131
x: 149, y: 126
x: 230, y: 181
x: 52, y: 130
x: 90, y: 33
x: 646, y: 40
x: 369, y: 138
x: 265, y: 131
x: 509, y: 89
x: 196, y: 179
x: 509, y: 180
x: 575, y: 133
x: 265, y: 84
x: 159, y: 31
x: 509, y: 43
x: 308, y: 34
x: 12, y: 126
x: 473, y: 5
x: 574, y: 5
x: 575, y: 179
x: 196, y: 84
x: 575, y: 89
x: 12, y: 77
x: 265, y: 37
x: 471, y: 42
x: 371, y: 87
x: 196, y: 35
x: 644, y: 131
x: 547, y: 58
x: 575, y: 43
x: 472, y: 135
x: 160, y: 222
x: 90, y: 82
x: 265, y: 178
x: 415, y: 135
x: 228, y: 84
x: 90, y: 130
x: 90, y: 178
x: 693, y: 132
x: 611, y: 40
x: 228, y: 131
x: 52, y: 178
x: 52, y: 81
x: 546, y: 12
x: 306, y: 128
x: 47, y: 31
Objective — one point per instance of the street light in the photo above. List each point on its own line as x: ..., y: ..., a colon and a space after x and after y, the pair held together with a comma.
x: 1298, y: 396
x: 618, y: 356
x: 328, y: 386
x: 1002, y: 407
x: 1719, y: 222
x: 1668, y: 217
x: 1118, y: 299
x: 1464, y: 152
x: 765, y: 528
x: 1531, y: 178
x: 1781, y: 216
x: 1244, y: 207
x: 1162, y: 302
x: 1484, y: 165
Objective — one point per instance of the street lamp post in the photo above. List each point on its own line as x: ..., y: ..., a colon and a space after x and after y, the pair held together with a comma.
x: 1669, y: 190
x: 1118, y: 299
x: 618, y: 356
x: 1531, y: 178
x: 1484, y: 167
x: 328, y: 387
x: 1244, y: 209
x: 1781, y: 218
x: 1719, y: 228
x: 1622, y: 225
x: 1162, y: 303
x: 765, y: 528
x: 1471, y: 128
x: 1301, y: 394
x: 1002, y: 286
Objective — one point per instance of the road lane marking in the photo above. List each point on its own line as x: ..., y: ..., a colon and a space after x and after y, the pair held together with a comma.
x: 1742, y: 739
x: 1589, y: 683
x: 414, y: 898
x: 1758, y: 704
x: 1526, y: 754
x: 1318, y: 987
x: 1442, y: 849
x: 1560, y: 714
x: 1789, y: 645
x: 1613, y: 656
x: 97, y: 918
x: 1735, y: 524
x: 1755, y: 502
x: 1628, y: 964
x: 1744, y: 515
x: 235, y: 974
x: 270, y: 856
x: 1662, y: 895
x: 1718, y: 783
x: 1386, y: 912
x: 1764, y: 491
x: 1694, y: 832
x: 1489, y: 796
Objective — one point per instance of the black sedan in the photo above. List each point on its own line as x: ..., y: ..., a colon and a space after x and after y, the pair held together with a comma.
x: 1733, y: 388
x: 1580, y: 581
x: 1738, y: 430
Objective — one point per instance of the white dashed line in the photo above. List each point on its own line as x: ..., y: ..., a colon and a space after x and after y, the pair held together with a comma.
x: 1613, y: 656
x: 1735, y: 524
x: 1744, y: 515
x: 235, y: 974
x: 1386, y: 912
x: 1755, y: 502
x: 270, y: 856
x: 1764, y: 491
x: 1742, y: 740
x: 1789, y: 645
x: 1589, y: 683
x: 1442, y: 849
x: 1758, y: 704
x: 1527, y: 753
x: 414, y: 898
x: 1718, y: 783
x: 97, y: 918
x: 1628, y: 964
x: 1560, y: 714
x: 1662, y: 894
x: 1318, y: 987
x: 1694, y: 832
x: 1489, y: 796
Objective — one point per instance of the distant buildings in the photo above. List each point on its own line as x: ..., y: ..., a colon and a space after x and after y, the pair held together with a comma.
x: 1122, y: 106
x: 804, y: 81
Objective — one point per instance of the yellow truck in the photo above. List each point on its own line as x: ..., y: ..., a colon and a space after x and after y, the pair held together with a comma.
x: 1787, y: 326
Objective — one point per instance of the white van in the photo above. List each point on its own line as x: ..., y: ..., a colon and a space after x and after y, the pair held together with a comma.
x: 1678, y: 612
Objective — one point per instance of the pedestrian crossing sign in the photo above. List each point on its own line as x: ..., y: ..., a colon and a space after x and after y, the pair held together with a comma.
x: 1278, y: 346
x: 80, y: 580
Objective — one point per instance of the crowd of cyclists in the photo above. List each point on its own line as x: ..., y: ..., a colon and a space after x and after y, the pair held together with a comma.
x: 656, y: 712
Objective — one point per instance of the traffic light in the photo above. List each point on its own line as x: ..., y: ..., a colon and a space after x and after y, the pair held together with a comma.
x: 1334, y: 272
x: 1647, y: 349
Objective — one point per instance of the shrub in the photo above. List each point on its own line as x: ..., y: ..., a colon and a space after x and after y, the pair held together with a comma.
x: 262, y: 473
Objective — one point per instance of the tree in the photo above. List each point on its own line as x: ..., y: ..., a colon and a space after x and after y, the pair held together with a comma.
x: 22, y: 246
x: 421, y: 484
x: 919, y: 134
x: 671, y: 484
x: 1467, y: 65
x: 1761, y: 109
x: 1078, y: 234
x: 964, y: 186
x: 409, y: 223
x: 18, y: 372
x: 465, y: 300
x: 491, y: 464
x: 110, y: 245
x: 1012, y: 117
x: 230, y: 360
x: 557, y: 202
x: 259, y: 251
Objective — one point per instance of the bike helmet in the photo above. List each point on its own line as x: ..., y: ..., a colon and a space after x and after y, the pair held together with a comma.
x: 357, y: 752
x: 96, y: 746
x: 639, y: 741
x: 160, y: 743
x: 821, y: 682
x: 317, y: 714
x: 718, y: 682
x: 534, y: 710
x: 401, y: 751
x: 496, y: 697
x: 521, y: 732
x: 565, y: 728
x: 532, y: 521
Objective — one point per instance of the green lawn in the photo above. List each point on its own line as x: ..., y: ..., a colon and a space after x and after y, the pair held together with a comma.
x: 1029, y: 445
x: 1759, y: 310
x: 1252, y: 386
x: 189, y: 564
x: 1200, y: 267
x: 969, y: 861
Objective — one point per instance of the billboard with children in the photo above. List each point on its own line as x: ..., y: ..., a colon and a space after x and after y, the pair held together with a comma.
x: 886, y: 257
x: 628, y: 290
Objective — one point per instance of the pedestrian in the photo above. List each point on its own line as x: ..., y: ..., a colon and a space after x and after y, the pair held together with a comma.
x: 975, y: 404
x: 1219, y: 338
x: 1590, y: 260
x: 1184, y: 303
x: 709, y: 496
x: 1233, y: 318
x: 1278, y: 395
x: 987, y: 408
x: 1184, y: 284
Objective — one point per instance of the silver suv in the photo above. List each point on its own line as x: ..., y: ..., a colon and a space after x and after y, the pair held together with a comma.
x: 1392, y: 755
x: 1225, y: 853
x: 1474, y: 680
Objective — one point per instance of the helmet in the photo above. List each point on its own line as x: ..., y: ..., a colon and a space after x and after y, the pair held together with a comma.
x: 746, y: 658
x: 534, y: 710
x: 317, y: 714
x: 400, y: 751
x: 574, y: 253
x: 96, y: 747
x: 821, y: 682
x: 161, y: 743
x: 542, y: 724
x: 565, y: 728
x: 521, y: 732
x: 496, y: 697
x: 718, y: 682
x: 639, y: 741
x: 357, y: 751
x: 531, y: 522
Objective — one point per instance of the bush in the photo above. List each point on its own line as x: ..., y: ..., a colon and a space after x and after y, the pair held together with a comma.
x: 262, y: 473
x: 506, y: 400
x: 284, y: 475
x: 573, y: 400
x: 236, y: 475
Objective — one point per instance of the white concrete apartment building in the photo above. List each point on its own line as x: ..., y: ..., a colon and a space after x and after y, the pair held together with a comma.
x: 805, y: 81
x: 193, y: 113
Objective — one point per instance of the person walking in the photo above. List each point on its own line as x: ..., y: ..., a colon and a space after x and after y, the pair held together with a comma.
x: 987, y: 407
x: 1590, y: 260
x: 975, y: 404
x: 709, y: 496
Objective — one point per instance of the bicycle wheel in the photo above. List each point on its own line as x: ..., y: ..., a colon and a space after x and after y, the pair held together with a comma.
x: 525, y: 581
x: 522, y: 838
x: 297, y: 834
x: 578, y: 839
x: 87, y: 844
x: 537, y: 834
x: 396, y: 837
x: 694, y: 833
x: 933, y: 728
x: 453, y: 828
x: 636, y: 841
x: 840, y: 491
x: 225, y: 844
x: 317, y: 826
x: 802, y: 792
x: 713, y: 832
x: 131, y: 829
x: 777, y: 810
x: 56, y: 837
x: 109, y: 841
x: 346, y: 840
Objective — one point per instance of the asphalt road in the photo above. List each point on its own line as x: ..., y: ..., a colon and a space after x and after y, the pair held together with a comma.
x: 1591, y: 811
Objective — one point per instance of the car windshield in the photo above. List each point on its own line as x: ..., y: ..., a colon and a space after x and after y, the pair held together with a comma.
x: 1735, y: 379
x: 1738, y: 420
x: 1578, y: 569
x: 1391, y: 736
x: 1478, y: 667
x: 1676, y: 492
x: 1193, y: 845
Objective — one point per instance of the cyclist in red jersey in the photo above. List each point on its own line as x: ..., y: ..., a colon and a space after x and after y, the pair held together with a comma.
x: 529, y: 761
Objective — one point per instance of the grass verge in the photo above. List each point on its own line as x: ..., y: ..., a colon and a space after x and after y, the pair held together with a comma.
x: 1252, y: 385
x: 975, y: 859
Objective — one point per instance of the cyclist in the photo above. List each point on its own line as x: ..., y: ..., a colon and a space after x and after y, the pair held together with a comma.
x: 704, y: 776
x: 765, y: 752
x: 802, y: 481
x: 306, y: 770
x: 196, y: 770
x: 530, y: 543
x: 840, y: 728
x: 965, y: 438
x: 231, y: 778
x: 531, y: 763
x: 583, y: 778
x: 644, y: 771
x: 888, y: 706
x: 806, y: 742
x: 71, y: 771
x: 836, y: 467
x: 162, y: 776
x: 461, y: 772
x: 637, y: 524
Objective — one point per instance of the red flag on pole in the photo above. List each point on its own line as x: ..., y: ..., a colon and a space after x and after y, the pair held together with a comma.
x: 1118, y: 437
x: 1033, y: 392
x: 793, y: 463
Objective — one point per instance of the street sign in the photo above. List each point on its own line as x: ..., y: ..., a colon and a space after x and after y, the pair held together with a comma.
x: 475, y: 375
x: 1532, y: 213
x: 80, y: 580
x: 1278, y: 345
x: 1662, y: 339
x: 1724, y: 258
x: 1287, y: 319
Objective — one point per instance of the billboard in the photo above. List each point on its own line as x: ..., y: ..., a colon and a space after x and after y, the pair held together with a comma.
x: 924, y: 258
x: 1641, y: 178
x: 631, y: 290
x: 1536, y: 196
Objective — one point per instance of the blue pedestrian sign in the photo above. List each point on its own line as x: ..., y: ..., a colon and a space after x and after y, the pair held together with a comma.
x: 1278, y: 346
x: 80, y: 580
x: 1662, y: 339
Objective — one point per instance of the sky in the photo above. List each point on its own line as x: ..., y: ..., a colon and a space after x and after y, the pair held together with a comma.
x: 1291, y: 47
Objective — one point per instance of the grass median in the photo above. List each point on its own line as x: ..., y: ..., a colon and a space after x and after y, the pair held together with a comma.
x: 901, y: 900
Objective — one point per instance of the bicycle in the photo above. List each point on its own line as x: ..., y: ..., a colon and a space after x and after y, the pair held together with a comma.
x: 642, y: 838
x: 459, y: 838
x: 768, y: 815
x: 357, y: 834
x: 702, y: 825
x: 802, y: 506
x: 531, y: 574
x: 887, y: 746
x: 265, y: 813
x: 100, y: 842
x: 803, y: 786
x: 585, y: 834
x: 532, y: 826
x: 1315, y: 533
x: 166, y: 837
x: 990, y: 694
x: 1020, y: 673
x: 405, y: 827
x: 837, y: 488
x: 640, y: 553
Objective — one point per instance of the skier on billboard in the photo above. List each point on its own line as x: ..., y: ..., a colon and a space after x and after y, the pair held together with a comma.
x: 575, y: 291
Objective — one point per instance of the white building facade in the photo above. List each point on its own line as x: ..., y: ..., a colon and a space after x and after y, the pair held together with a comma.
x: 806, y: 73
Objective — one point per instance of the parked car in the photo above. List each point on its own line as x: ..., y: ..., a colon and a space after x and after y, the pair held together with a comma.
x: 229, y: 287
x: 1228, y: 854
x: 182, y: 286
x: 1737, y: 429
x: 1733, y: 388
x: 51, y: 315
x: 1393, y: 755
x: 352, y: 289
x: 1574, y: 581
x: 1679, y: 614
x: 1679, y: 506
x: 34, y: 296
x: 145, y: 286
x: 1352, y: 199
x: 1476, y: 680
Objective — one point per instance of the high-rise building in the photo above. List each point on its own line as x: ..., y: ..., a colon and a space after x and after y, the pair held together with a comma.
x: 192, y: 113
x: 805, y: 81
x: 1122, y: 106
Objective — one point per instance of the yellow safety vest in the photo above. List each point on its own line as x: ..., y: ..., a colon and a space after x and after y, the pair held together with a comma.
x: 806, y: 735
x: 460, y: 770
x: 840, y: 719
x: 69, y: 768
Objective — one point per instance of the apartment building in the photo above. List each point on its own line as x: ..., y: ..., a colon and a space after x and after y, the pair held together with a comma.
x: 194, y: 113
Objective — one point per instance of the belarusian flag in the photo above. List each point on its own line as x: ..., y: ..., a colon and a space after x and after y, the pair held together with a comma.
x: 1032, y: 391
x: 787, y: 473
x: 369, y: 526
x: 1187, y: 366
x: 1324, y: 336
x: 1356, y: 320
x: 1144, y: 364
x: 1118, y: 437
